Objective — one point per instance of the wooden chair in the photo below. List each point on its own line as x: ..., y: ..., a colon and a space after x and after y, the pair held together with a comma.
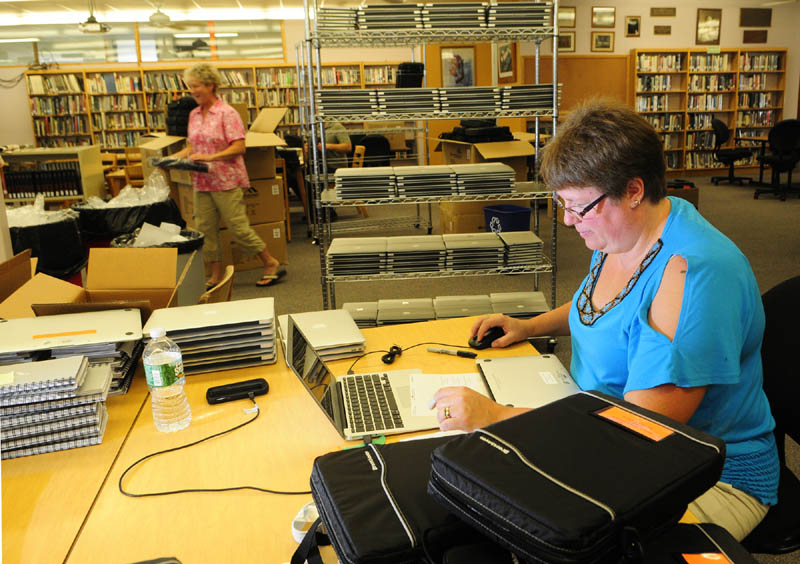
x: 133, y: 155
x: 222, y: 291
x: 358, y: 162
x: 134, y: 175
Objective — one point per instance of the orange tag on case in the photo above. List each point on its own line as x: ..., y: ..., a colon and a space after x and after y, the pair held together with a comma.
x: 706, y: 558
x: 636, y: 423
x: 65, y: 334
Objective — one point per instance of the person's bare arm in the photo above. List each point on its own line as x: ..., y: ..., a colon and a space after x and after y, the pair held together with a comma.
x: 554, y: 322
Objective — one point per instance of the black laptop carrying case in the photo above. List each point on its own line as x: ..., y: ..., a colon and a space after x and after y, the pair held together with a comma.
x: 576, y: 480
x: 374, y: 505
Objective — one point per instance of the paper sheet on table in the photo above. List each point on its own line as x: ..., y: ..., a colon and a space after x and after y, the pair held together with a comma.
x: 423, y: 386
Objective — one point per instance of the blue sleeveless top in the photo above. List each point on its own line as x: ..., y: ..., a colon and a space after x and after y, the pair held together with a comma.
x: 717, y: 344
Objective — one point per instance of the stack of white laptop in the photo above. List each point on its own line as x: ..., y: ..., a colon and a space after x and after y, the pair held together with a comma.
x: 461, y: 306
x: 357, y: 256
x: 475, y: 99
x: 455, y: 16
x: 390, y: 16
x: 220, y: 336
x: 532, y: 97
x: 522, y: 248
x: 519, y: 14
x: 484, y: 178
x: 415, y: 253
x: 519, y: 304
x: 364, y: 183
x: 432, y: 180
x: 408, y: 100
x: 52, y: 405
x: 365, y: 314
x: 335, y: 101
x: 473, y: 251
x: 333, y: 333
x: 336, y: 19
x: 391, y: 312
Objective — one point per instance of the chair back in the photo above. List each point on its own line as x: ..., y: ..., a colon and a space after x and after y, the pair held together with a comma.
x: 721, y: 133
x: 358, y: 156
x: 134, y: 175
x: 784, y: 138
x: 293, y: 140
x: 221, y: 292
x: 377, y: 151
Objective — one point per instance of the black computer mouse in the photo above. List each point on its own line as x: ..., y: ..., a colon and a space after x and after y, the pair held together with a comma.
x: 488, y: 338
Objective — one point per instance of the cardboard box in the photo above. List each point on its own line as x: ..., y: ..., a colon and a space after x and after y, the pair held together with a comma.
x: 513, y: 153
x: 260, y: 142
x: 468, y: 217
x: 142, y: 278
x: 273, y: 234
x: 161, y: 146
x: 263, y: 202
x: 14, y: 273
x: 690, y: 194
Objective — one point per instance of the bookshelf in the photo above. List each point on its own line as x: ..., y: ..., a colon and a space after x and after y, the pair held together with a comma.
x: 59, y: 109
x: 116, y: 107
x: 679, y: 91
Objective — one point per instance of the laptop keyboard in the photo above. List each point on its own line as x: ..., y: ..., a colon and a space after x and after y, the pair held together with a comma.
x: 372, y: 403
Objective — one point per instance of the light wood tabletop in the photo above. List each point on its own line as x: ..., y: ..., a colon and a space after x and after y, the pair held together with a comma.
x: 275, y: 452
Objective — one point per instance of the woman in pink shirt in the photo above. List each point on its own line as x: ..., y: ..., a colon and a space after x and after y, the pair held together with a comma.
x: 216, y: 136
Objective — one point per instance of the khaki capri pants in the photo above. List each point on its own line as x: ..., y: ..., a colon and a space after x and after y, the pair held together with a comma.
x: 209, y: 207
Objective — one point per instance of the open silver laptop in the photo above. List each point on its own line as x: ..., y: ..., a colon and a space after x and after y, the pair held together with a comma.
x: 358, y: 405
x: 526, y: 381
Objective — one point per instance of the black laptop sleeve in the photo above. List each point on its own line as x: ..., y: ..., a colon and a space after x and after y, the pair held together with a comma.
x: 582, y: 479
x: 375, y: 507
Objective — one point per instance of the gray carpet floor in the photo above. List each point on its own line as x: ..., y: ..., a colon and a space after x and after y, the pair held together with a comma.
x: 766, y: 230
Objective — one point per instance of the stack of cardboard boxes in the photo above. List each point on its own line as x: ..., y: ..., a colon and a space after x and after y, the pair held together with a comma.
x: 264, y: 198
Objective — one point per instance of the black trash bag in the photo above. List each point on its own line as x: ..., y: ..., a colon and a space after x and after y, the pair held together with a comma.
x: 103, y: 224
x: 58, y: 246
x: 195, y: 241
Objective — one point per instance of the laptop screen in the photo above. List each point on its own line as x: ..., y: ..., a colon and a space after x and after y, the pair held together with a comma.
x: 312, y: 372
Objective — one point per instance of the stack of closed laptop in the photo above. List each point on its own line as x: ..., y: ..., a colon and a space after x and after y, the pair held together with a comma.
x: 391, y: 312
x: 458, y: 15
x: 220, y: 336
x: 365, y: 314
x: 519, y: 304
x: 364, y: 183
x: 527, y: 97
x: 470, y: 99
x: 473, y: 251
x: 519, y: 14
x: 415, y: 253
x: 341, y: 102
x: 407, y: 100
x: 484, y: 178
x: 356, y: 256
x: 336, y: 19
x: 461, y: 306
x: 432, y: 180
x: 333, y: 333
x: 52, y: 405
x: 390, y: 16
x: 522, y: 248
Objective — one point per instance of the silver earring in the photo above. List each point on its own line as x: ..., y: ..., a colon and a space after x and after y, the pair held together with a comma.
x: 636, y: 203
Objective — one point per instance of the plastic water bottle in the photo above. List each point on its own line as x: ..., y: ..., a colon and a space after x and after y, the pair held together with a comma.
x: 163, y: 368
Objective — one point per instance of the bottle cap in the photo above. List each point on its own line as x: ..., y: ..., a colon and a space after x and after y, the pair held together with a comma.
x: 157, y: 332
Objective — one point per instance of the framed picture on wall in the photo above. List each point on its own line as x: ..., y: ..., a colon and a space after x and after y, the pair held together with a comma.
x: 603, y: 16
x: 566, y: 41
x: 458, y: 66
x: 566, y: 16
x: 709, y: 22
x: 603, y: 41
x: 633, y: 25
x: 506, y: 61
x: 662, y: 30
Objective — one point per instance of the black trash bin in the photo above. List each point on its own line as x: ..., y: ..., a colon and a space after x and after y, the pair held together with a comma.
x: 103, y: 224
x: 58, y: 246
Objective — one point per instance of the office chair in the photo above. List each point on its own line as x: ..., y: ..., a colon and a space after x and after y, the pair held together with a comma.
x: 293, y: 140
x: 784, y: 147
x: 377, y: 150
x: 727, y: 156
x: 779, y: 532
x: 222, y: 291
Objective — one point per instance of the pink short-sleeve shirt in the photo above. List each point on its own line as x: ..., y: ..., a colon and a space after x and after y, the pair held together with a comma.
x: 221, y: 127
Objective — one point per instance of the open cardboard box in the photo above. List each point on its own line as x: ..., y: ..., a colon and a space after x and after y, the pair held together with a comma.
x: 260, y: 142
x: 15, y: 272
x: 117, y: 278
x: 513, y: 153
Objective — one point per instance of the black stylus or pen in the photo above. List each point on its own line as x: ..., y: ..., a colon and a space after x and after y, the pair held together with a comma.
x: 463, y: 354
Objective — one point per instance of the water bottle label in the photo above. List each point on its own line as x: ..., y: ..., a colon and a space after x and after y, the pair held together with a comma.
x: 160, y: 375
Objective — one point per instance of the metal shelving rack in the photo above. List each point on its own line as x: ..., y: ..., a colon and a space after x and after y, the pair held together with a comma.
x: 309, y: 61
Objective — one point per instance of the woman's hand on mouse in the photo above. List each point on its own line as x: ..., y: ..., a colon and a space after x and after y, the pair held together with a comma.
x: 514, y: 329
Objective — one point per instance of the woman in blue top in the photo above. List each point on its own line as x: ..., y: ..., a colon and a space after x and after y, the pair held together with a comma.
x: 669, y: 316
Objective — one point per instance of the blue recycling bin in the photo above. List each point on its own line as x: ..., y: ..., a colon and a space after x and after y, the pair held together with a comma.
x: 507, y: 217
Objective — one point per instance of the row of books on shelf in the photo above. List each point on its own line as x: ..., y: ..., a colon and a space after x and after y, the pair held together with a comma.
x: 55, y: 83
x: 710, y: 63
x: 119, y: 120
x: 755, y: 100
x: 158, y: 101
x: 754, y: 81
x: 276, y: 77
x: 761, y: 118
x: 706, y: 102
x: 55, y: 105
x: 164, y: 81
x: 81, y: 140
x: 21, y: 184
x: 112, y: 82
x: 341, y: 75
x: 235, y: 78
x: 238, y: 97
x: 63, y: 125
x: 652, y: 103
x: 673, y: 62
x: 660, y: 62
x: 282, y: 97
x: 671, y: 140
x: 157, y: 120
x: 700, y: 140
x: 711, y: 82
x: 654, y: 82
x: 118, y: 138
x: 116, y: 103
x: 760, y: 62
x: 665, y: 122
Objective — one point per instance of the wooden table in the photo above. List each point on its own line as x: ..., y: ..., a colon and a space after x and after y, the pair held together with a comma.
x: 276, y: 452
